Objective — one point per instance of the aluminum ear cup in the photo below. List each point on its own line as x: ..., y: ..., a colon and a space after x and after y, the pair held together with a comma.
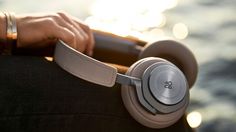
x: 176, y: 53
x: 129, y: 96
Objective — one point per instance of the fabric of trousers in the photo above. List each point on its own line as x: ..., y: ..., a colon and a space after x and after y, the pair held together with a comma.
x: 38, y: 96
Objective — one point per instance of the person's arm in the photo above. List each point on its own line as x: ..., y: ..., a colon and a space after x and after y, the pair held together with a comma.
x: 40, y: 30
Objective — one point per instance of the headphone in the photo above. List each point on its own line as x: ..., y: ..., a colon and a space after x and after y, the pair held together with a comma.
x: 154, y: 90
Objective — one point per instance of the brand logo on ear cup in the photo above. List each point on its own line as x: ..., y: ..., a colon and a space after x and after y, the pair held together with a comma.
x: 168, y: 84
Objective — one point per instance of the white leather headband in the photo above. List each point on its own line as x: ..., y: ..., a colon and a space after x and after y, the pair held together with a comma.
x: 84, y: 66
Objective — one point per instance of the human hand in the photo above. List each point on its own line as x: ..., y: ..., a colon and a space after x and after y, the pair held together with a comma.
x: 40, y: 30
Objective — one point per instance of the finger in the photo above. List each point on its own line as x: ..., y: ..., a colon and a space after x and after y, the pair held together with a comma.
x: 62, y: 33
x: 83, y: 35
x: 87, y: 29
x: 78, y: 36
x: 55, y: 19
x: 66, y: 36
x: 91, y: 42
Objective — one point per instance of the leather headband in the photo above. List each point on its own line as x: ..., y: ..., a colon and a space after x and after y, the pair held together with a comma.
x: 83, y: 66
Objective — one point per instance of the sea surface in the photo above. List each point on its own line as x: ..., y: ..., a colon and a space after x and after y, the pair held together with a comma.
x: 212, y: 38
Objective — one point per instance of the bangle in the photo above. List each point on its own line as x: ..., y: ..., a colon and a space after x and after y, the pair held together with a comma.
x: 11, y: 31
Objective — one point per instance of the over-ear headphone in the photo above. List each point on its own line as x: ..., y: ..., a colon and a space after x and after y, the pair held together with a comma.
x: 154, y: 90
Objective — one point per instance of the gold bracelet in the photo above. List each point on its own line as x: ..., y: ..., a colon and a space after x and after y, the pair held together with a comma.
x: 11, y: 31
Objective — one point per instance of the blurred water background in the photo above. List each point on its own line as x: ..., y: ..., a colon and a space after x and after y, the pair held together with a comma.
x: 207, y: 27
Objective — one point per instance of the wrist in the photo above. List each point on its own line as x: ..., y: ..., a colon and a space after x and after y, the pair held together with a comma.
x: 8, y: 33
x: 3, y: 27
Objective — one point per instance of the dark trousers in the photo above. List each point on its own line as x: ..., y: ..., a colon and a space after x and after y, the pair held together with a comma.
x: 38, y: 96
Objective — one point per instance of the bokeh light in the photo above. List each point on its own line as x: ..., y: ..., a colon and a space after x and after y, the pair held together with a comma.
x: 48, y: 58
x: 194, y: 119
x: 180, y: 31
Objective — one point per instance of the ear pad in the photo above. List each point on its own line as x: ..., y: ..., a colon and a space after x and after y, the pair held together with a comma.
x: 132, y: 104
x: 176, y: 53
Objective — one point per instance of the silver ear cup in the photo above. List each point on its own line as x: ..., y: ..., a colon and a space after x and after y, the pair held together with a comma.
x: 138, y: 112
x: 165, y: 87
x: 176, y: 53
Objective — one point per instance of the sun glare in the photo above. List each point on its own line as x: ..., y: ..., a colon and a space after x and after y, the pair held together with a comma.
x: 126, y: 17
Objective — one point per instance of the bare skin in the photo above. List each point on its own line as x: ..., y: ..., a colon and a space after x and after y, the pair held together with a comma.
x: 40, y: 30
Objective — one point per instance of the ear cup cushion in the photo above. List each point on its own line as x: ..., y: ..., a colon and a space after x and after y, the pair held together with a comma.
x: 176, y: 53
x: 136, y: 110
